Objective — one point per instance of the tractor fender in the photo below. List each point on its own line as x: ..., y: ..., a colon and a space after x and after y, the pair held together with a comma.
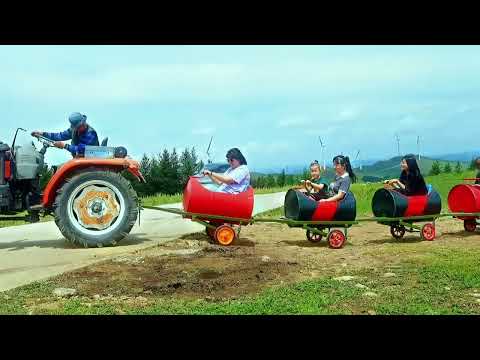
x: 71, y: 167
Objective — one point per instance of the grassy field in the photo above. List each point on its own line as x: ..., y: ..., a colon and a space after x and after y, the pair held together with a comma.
x: 15, y: 223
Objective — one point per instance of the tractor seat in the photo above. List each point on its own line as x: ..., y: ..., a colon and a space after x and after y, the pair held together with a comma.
x: 104, y: 142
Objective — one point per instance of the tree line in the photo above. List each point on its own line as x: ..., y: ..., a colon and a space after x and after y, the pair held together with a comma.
x: 447, y: 168
x: 278, y: 180
x: 166, y: 172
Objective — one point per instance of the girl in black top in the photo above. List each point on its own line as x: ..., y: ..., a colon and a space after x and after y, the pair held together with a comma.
x: 411, y: 181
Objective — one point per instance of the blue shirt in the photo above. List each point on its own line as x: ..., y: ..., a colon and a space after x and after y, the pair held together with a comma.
x: 241, y: 178
x: 88, y: 137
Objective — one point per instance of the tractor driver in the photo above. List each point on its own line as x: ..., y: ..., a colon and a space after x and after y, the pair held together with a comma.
x: 79, y: 132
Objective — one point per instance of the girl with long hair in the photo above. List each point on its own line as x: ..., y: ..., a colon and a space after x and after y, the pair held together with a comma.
x: 344, y: 177
x: 411, y: 181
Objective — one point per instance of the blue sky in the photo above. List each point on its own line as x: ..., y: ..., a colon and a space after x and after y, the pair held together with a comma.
x: 270, y: 101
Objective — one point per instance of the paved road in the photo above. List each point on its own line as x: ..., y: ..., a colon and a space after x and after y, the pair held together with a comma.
x: 38, y: 251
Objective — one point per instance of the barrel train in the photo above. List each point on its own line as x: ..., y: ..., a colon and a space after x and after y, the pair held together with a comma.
x: 223, y: 214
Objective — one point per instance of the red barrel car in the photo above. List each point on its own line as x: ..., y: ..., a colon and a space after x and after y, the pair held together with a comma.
x: 198, y: 199
x: 465, y: 198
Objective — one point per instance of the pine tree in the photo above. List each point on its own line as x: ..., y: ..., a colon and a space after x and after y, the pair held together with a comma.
x: 270, y: 181
x: 305, y: 174
x: 281, y: 179
x: 458, y: 167
x: 435, y: 170
x: 45, y: 176
x: 448, y: 168
x: 472, y: 165
x: 173, y: 176
x: 187, y: 166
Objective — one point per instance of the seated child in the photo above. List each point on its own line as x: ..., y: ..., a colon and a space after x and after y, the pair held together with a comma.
x: 316, y: 186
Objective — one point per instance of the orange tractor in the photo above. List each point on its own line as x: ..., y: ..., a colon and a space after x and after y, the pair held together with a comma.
x: 92, y: 203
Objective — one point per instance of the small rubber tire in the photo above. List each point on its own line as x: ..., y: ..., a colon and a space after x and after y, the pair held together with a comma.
x: 428, y: 232
x: 336, y: 239
x: 470, y: 225
x: 120, y: 228
x: 225, y: 235
x: 313, y: 237
x: 397, y: 231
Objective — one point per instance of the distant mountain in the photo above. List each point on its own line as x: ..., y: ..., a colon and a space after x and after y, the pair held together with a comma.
x: 380, y: 168
x: 463, y: 156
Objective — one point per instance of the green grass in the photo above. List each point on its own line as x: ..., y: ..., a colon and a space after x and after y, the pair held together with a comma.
x: 441, y: 282
x: 16, y: 222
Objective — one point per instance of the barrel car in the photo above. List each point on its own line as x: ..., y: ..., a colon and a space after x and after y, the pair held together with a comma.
x: 465, y: 198
x: 319, y: 218
x: 218, y: 211
x: 400, y: 211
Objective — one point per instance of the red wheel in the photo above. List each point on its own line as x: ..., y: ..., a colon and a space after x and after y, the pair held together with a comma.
x: 225, y: 235
x: 428, y: 232
x: 470, y: 225
x: 336, y: 239
x: 313, y: 237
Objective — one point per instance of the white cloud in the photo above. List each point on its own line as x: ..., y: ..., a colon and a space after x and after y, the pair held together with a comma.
x: 311, y: 78
x: 348, y: 114
x: 296, y: 121
x: 202, y: 130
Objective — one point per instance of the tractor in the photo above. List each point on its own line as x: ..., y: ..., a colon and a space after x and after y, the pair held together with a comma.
x: 92, y: 203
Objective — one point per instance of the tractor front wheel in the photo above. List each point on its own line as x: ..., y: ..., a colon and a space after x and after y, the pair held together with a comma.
x: 96, y: 208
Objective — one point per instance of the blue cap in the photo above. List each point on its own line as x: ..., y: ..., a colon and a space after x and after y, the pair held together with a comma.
x: 76, y: 119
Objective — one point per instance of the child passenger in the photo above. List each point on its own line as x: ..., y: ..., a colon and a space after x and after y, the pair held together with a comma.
x: 316, y: 185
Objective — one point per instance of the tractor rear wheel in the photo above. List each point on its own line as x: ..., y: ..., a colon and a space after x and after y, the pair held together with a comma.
x: 96, y: 208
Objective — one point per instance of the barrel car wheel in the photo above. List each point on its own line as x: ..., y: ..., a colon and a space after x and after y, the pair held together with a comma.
x: 225, y: 235
x: 397, y: 231
x: 428, y: 232
x: 470, y: 225
x: 314, y: 237
x: 336, y: 239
